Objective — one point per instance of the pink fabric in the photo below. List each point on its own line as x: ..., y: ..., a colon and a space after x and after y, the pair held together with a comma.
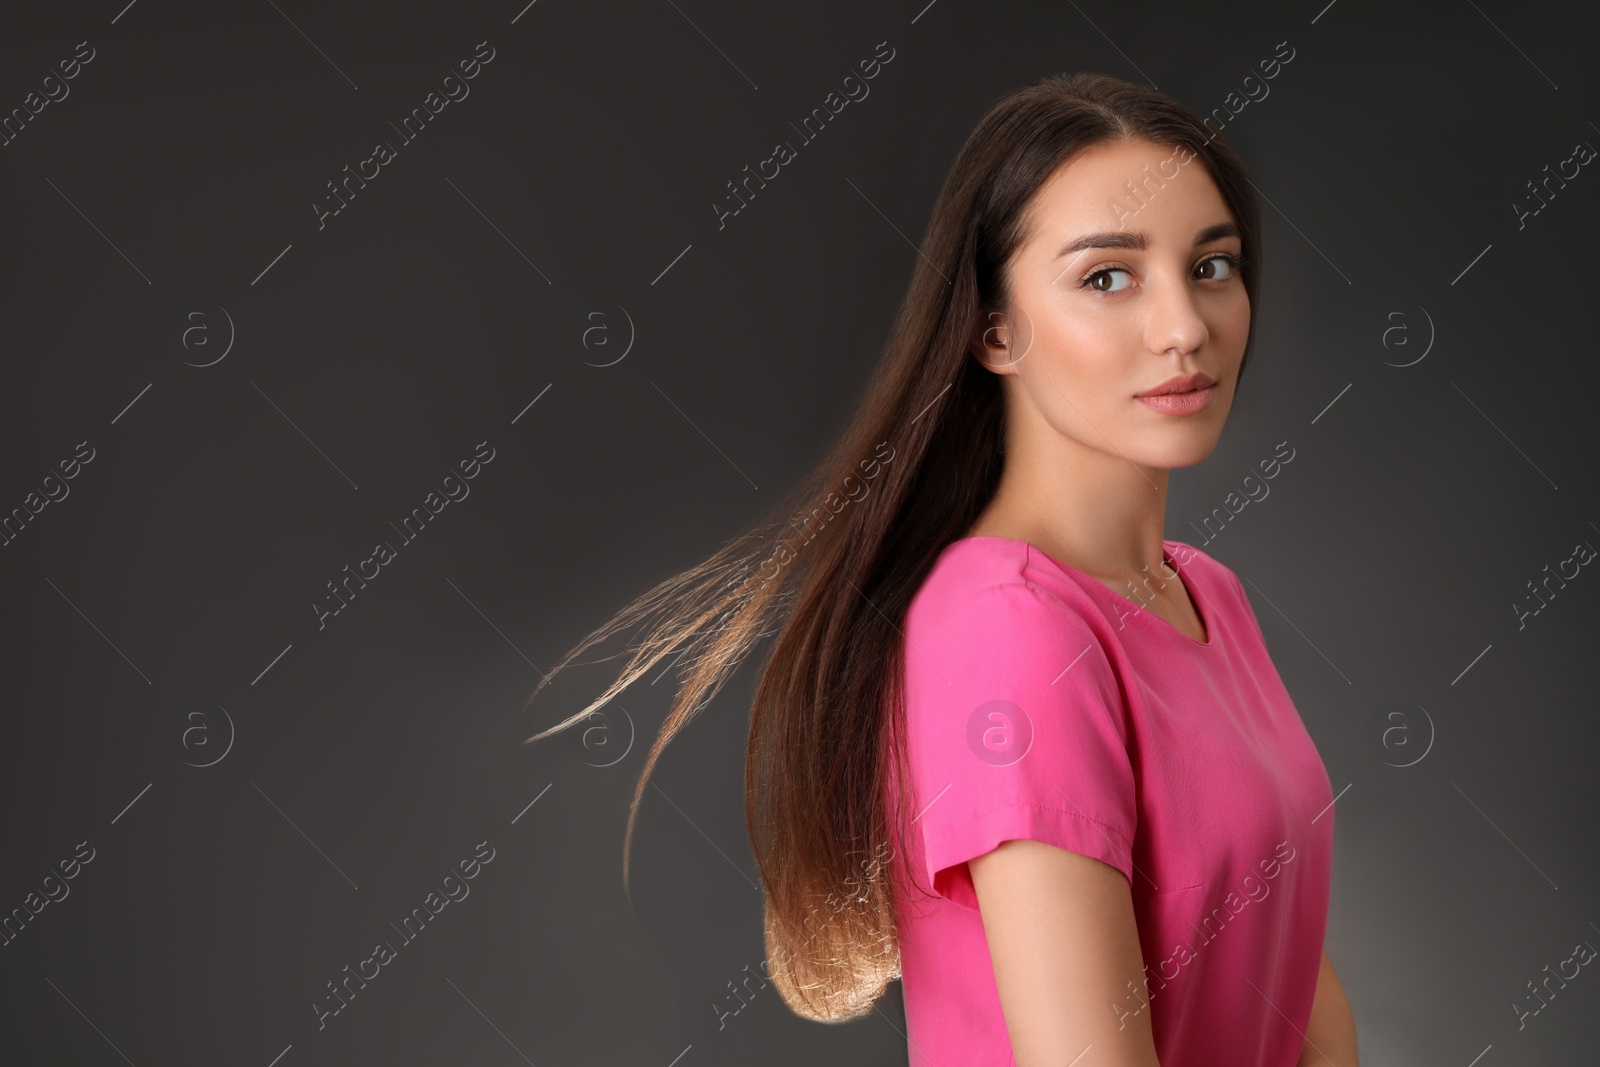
x: 1041, y: 704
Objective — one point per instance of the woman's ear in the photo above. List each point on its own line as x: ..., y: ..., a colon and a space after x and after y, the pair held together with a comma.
x: 994, y: 342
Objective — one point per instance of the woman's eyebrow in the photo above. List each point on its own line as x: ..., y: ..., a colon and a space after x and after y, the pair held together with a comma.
x: 1124, y: 239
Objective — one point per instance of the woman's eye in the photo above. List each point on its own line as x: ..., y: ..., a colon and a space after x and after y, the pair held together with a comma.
x: 1230, y: 263
x: 1220, y: 267
x: 1092, y: 281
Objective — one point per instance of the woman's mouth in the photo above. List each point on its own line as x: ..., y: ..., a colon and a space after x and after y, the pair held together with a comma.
x: 1185, y: 403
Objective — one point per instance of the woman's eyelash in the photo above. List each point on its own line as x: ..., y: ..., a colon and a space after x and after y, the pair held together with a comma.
x: 1233, y: 261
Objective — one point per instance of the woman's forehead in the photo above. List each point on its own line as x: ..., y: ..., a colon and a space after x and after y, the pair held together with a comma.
x: 1139, y: 188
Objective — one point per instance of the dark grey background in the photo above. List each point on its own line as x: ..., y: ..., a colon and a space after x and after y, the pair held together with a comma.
x: 160, y: 614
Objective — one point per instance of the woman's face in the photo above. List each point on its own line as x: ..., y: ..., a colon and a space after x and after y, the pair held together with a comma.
x: 1113, y: 295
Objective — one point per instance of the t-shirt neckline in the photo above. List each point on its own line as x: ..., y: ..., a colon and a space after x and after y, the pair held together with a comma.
x: 1200, y: 608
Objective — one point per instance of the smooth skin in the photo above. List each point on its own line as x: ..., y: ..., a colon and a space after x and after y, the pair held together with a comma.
x: 1331, y: 1033
x: 1063, y: 943
x: 1085, y: 481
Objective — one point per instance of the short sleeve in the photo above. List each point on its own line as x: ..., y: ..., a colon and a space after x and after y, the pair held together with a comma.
x: 1016, y: 728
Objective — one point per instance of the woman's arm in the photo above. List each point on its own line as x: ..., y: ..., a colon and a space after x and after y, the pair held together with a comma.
x: 1065, y: 949
x: 1331, y: 1033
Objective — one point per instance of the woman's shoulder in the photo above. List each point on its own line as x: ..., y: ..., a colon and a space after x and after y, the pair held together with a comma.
x: 993, y: 615
x: 987, y: 584
x: 976, y: 562
x: 1195, y: 561
x: 1182, y: 552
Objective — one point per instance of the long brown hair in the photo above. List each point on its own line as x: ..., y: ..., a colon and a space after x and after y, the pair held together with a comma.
x: 832, y: 570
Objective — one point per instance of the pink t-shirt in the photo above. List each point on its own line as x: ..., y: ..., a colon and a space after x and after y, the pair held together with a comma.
x: 1041, y: 704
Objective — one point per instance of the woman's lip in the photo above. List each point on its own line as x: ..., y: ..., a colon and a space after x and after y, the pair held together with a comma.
x: 1181, y: 403
x: 1182, y: 384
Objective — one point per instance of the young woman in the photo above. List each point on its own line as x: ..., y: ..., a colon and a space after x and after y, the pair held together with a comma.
x: 1010, y: 745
